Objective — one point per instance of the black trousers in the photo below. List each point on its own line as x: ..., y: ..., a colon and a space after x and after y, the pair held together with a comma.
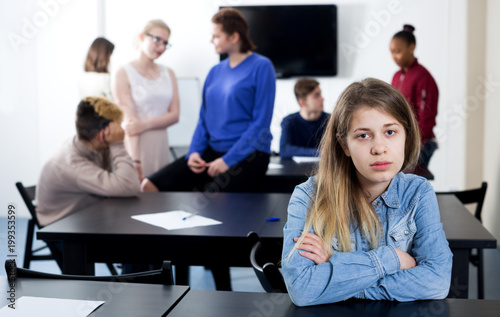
x: 243, y: 177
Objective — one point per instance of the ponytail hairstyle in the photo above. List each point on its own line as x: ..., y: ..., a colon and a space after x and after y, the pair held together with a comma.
x: 406, y: 35
x: 231, y: 21
x: 339, y: 199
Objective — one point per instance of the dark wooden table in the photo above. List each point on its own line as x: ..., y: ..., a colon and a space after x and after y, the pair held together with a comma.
x: 105, y: 232
x: 284, y: 179
x: 463, y: 232
x: 216, y: 304
x: 122, y: 299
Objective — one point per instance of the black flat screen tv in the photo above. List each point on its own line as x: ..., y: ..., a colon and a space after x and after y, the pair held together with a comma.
x: 300, y: 40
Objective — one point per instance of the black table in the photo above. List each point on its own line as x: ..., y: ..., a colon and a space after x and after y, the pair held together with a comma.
x: 463, y: 232
x: 216, y: 304
x: 105, y: 232
x: 284, y: 180
x: 122, y: 299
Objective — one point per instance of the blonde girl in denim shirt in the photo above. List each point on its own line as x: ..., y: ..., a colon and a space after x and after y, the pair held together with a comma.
x: 361, y: 228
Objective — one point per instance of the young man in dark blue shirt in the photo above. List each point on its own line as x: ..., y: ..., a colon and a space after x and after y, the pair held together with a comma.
x: 301, y: 132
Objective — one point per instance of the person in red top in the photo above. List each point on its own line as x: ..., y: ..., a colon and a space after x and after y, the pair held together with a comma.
x: 419, y: 88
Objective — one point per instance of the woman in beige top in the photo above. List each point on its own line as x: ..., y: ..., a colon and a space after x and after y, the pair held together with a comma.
x: 147, y: 93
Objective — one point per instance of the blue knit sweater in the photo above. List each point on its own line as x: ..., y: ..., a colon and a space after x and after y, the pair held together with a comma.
x: 236, y: 110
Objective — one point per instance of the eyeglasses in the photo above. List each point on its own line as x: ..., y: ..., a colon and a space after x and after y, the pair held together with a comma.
x: 158, y: 40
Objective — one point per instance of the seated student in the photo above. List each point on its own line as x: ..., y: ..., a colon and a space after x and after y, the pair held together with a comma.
x: 361, y: 228
x: 89, y: 166
x: 301, y: 132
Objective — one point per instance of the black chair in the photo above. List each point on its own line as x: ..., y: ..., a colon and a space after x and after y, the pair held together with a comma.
x: 28, y: 195
x: 161, y: 276
x: 474, y: 196
x: 268, y: 274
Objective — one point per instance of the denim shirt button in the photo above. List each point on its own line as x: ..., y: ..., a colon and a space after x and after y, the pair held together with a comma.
x: 407, y: 232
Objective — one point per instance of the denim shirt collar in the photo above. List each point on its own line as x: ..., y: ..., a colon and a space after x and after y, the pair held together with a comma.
x: 390, y: 196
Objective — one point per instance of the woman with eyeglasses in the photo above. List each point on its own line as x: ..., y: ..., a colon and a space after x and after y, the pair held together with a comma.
x: 147, y: 92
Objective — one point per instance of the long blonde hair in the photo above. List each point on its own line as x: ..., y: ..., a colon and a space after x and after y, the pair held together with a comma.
x: 339, y: 198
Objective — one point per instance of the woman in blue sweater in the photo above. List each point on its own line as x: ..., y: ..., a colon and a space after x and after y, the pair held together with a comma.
x: 232, y: 142
x: 231, y: 145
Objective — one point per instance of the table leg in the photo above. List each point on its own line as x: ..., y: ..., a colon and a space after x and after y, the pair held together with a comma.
x: 75, y: 259
x: 460, y: 274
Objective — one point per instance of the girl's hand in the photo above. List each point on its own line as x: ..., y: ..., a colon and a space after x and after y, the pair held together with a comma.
x: 196, y: 163
x: 134, y: 127
x: 406, y: 260
x: 313, y: 244
x: 217, y: 167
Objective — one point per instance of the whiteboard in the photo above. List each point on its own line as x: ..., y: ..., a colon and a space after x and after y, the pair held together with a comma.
x: 180, y: 134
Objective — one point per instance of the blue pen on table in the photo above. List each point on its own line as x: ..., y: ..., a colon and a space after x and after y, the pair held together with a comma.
x: 187, y: 217
x: 273, y: 219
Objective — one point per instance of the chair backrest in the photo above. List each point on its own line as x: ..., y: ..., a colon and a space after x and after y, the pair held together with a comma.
x: 472, y: 196
x: 268, y: 274
x: 162, y: 276
x: 28, y: 195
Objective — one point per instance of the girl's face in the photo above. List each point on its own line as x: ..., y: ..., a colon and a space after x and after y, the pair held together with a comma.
x: 376, y: 144
x: 222, y: 42
x: 402, y: 52
x: 153, y: 42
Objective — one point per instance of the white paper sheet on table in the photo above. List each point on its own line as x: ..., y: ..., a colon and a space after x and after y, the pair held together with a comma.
x: 305, y: 159
x: 172, y: 220
x: 274, y: 166
x: 53, y: 307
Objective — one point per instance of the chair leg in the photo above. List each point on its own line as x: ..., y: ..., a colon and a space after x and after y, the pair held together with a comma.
x: 111, y: 268
x: 480, y: 274
x: 181, y: 275
x: 222, y: 278
x: 56, y: 251
x: 29, y: 244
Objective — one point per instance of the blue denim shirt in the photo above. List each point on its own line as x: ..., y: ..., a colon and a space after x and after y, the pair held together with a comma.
x: 409, y: 216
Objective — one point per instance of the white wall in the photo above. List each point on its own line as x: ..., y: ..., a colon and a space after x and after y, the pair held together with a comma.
x: 42, y: 49
x: 476, y: 53
x: 19, y: 157
x: 38, y: 84
x: 491, y: 209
